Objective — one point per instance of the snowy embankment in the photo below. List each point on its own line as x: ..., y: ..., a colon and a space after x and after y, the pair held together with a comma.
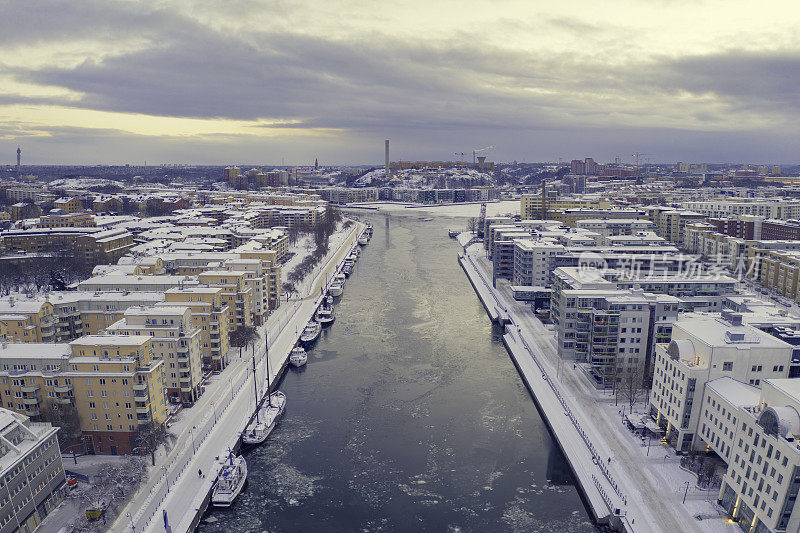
x: 494, y: 208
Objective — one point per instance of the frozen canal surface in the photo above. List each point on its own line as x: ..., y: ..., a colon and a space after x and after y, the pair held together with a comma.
x: 410, y: 415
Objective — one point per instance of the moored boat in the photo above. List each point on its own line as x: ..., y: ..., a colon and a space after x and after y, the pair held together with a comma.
x: 298, y: 357
x: 310, y: 332
x: 336, y: 289
x: 347, y: 270
x: 325, y: 315
x: 363, y: 240
x: 230, y: 481
x: 268, y: 416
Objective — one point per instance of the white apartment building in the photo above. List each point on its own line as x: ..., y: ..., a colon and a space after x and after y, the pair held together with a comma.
x: 533, y: 262
x: 779, y: 208
x: 762, y: 482
x: 121, y: 283
x: 705, y: 347
x: 175, y: 340
x: 608, y: 227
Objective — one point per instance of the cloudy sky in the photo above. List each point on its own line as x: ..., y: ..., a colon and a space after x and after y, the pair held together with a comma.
x: 219, y: 81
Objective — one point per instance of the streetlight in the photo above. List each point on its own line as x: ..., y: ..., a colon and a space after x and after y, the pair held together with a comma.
x: 191, y: 432
x: 215, y: 412
x: 133, y: 526
x: 166, y: 476
x: 686, y: 492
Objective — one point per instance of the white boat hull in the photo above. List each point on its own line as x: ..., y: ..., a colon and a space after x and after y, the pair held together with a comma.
x: 336, y: 290
x: 269, y: 416
x: 226, y: 490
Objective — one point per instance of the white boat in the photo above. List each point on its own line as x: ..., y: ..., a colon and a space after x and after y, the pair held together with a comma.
x: 339, y: 278
x: 311, y: 332
x: 346, y: 270
x: 325, y: 315
x: 336, y: 289
x: 298, y: 356
x: 363, y: 240
x: 267, y: 418
x: 230, y: 481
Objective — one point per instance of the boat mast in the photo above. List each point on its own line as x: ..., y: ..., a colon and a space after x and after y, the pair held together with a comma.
x: 266, y: 350
x: 255, y: 384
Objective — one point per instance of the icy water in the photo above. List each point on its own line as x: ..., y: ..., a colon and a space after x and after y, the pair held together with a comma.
x: 410, y: 415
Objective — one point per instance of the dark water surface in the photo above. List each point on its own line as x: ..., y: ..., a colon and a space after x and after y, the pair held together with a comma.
x: 410, y: 415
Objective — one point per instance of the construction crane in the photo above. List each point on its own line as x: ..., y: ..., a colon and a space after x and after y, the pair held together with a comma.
x: 474, y: 152
x: 639, y: 155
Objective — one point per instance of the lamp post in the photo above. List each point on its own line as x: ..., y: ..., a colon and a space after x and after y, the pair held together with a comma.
x: 215, y: 412
x: 166, y: 476
x: 191, y: 432
x: 685, y: 492
x: 133, y: 526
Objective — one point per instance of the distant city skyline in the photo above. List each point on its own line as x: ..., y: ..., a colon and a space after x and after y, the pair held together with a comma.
x: 211, y: 82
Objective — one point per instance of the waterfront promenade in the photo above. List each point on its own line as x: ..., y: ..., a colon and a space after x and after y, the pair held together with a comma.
x: 175, y: 493
x: 616, y: 480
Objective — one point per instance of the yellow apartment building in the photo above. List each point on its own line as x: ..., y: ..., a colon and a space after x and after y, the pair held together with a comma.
x: 27, y: 320
x: 118, y: 386
x: 69, y: 205
x: 236, y: 294
x: 176, y: 341
x: 211, y: 314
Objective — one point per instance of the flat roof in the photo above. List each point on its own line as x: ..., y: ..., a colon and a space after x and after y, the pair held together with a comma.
x: 35, y: 350
x: 103, y: 340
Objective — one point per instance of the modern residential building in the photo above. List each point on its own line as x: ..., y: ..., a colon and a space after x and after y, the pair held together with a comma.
x: 93, y: 245
x: 705, y: 347
x: 534, y: 261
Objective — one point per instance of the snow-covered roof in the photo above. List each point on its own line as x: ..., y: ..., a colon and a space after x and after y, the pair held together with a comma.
x: 735, y: 392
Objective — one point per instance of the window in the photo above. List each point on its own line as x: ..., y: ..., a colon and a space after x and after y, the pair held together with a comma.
x: 727, y: 366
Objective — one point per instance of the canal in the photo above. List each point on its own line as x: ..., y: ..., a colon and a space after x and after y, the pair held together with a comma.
x: 410, y: 415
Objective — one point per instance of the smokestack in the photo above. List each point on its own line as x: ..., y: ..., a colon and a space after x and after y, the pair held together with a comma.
x: 544, y: 200
x: 388, y: 173
x: 481, y: 161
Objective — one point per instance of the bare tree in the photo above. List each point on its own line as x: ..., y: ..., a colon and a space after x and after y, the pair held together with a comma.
x: 149, y: 437
x: 630, y: 382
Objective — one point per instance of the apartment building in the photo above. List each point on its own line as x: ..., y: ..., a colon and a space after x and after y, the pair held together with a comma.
x: 570, y: 217
x: 93, y: 245
x: 68, y: 205
x: 89, y: 313
x: 235, y: 293
x: 31, y: 470
x: 761, y: 484
x: 33, y: 378
x: 61, y: 219
x: 123, y: 283
x: 609, y: 227
x: 705, y: 347
x: 176, y: 342
x: 118, y: 386
x: 533, y: 262
x: 503, y: 252
x: 670, y: 223
x: 780, y: 208
x: 27, y: 320
x: 211, y: 314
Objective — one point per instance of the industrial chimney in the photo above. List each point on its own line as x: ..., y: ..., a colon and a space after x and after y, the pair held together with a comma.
x: 388, y: 172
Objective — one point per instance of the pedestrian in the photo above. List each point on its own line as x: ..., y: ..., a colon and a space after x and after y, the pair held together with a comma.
x: 200, y: 473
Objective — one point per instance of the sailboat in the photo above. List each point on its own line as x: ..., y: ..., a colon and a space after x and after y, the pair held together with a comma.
x: 268, y: 414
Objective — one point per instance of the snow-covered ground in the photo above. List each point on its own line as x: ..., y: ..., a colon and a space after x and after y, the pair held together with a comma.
x: 504, y: 207
x: 654, y: 483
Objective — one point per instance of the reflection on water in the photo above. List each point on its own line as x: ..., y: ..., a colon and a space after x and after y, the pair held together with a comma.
x: 409, y: 415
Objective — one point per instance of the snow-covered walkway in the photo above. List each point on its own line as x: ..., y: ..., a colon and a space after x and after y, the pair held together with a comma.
x: 215, y: 422
x: 643, y: 493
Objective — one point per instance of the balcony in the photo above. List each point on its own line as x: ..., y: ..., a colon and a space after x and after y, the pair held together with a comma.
x: 140, y: 386
x: 143, y: 411
x: 65, y: 400
x: 143, y: 419
x: 30, y: 401
x: 28, y: 389
x: 61, y: 389
x: 33, y: 411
